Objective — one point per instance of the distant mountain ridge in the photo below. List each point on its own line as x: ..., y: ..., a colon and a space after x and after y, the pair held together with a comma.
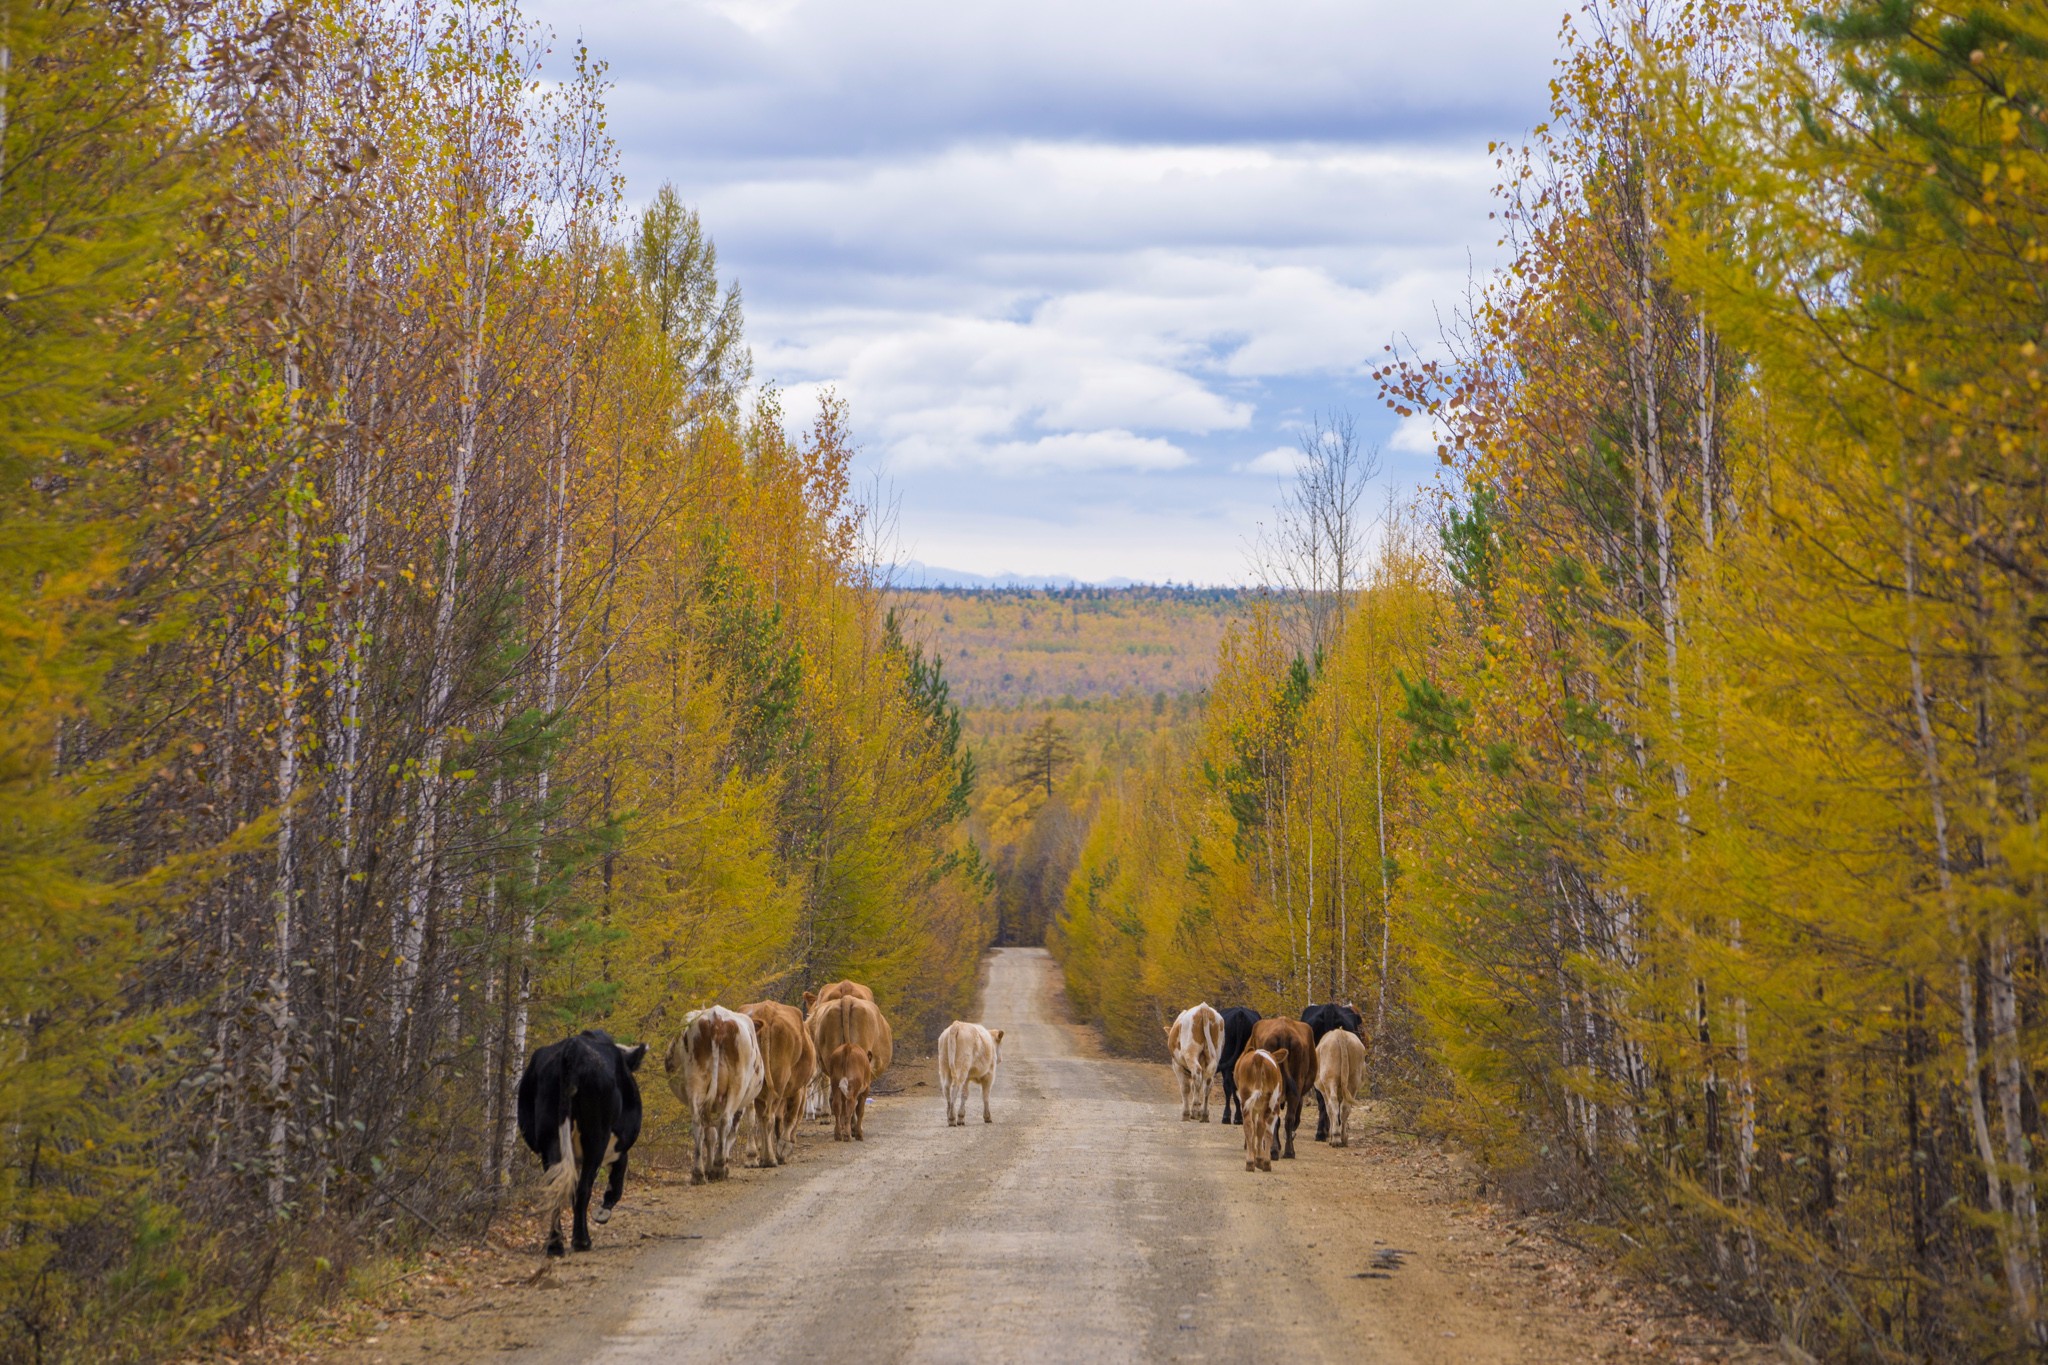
x: 917, y: 574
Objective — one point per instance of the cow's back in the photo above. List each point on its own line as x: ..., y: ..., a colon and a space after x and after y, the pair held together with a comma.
x: 1196, y: 1038
x: 1321, y: 1019
x: 1238, y: 1022
x: 1270, y: 1035
x: 1340, y: 1062
x: 850, y: 1019
x: 785, y: 1044
x: 966, y: 1052
x: 839, y: 989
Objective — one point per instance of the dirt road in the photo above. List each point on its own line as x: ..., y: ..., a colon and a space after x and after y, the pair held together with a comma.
x: 1086, y: 1224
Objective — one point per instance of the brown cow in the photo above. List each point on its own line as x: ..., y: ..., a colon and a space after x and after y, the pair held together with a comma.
x: 849, y: 1071
x: 1261, y: 1081
x: 789, y: 1058
x: 1300, y: 1071
x: 850, y: 1019
x: 835, y: 990
x: 814, y: 1098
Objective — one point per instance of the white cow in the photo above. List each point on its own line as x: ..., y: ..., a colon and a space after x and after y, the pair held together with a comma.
x: 715, y: 1068
x: 1340, y: 1075
x: 968, y: 1054
x: 1195, y: 1041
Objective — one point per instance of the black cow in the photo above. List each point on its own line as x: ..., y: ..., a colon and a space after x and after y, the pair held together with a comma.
x: 1321, y: 1019
x: 578, y: 1098
x: 1237, y: 1031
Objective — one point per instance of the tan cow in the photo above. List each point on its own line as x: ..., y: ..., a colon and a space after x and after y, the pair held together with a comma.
x: 1261, y: 1079
x: 849, y: 1071
x: 812, y: 999
x: 1340, y: 1076
x: 788, y: 1061
x: 968, y: 1054
x: 1195, y: 1042
x: 714, y: 1066
x: 814, y: 1098
x: 850, y: 1019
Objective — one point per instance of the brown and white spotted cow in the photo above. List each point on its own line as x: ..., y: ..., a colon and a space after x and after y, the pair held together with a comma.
x: 714, y: 1066
x: 1195, y: 1042
x: 788, y: 1061
x: 1300, y: 1071
x: 1340, y: 1079
x: 968, y: 1054
x: 1261, y: 1079
x: 849, y: 1071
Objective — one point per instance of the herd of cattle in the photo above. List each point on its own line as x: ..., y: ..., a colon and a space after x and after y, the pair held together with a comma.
x: 579, y: 1105
x: 1268, y: 1067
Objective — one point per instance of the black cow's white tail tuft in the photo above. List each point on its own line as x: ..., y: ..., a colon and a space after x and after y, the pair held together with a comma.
x: 561, y: 1177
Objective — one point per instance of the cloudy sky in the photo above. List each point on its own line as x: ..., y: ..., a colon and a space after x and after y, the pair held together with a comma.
x: 1083, y: 270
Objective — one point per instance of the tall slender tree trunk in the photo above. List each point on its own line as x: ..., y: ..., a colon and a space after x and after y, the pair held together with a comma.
x: 440, y: 690
x: 2020, y: 1272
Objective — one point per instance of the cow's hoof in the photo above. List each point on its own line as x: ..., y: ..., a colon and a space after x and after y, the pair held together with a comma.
x: 600, y: 1215
x: 555, y: 1247
x: 581, y: 1243
x: 1205, y: 1118
x: 696, y: 1177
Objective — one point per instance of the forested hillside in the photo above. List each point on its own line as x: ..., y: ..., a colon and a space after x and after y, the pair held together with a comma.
x: 414, y: 644
x: 1666, y: 788
x: 1061, y: 692
x: 1019, y: 648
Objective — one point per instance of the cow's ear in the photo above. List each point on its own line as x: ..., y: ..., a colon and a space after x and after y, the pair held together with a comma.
x: 810, y: 998
x: 633, y: 1055
x: 998, y: 1034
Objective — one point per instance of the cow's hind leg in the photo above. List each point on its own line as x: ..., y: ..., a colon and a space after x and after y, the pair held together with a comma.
x: 986, y: 1117
x: 1322, y: 1116
x: 614, y: 1190
x: 764, y: 1132
x: 586, y: 1181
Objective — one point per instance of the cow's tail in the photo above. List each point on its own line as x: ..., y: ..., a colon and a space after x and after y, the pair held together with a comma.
x: 715, y: 1031
x: 561, y: 1177
x: 846, y: 1085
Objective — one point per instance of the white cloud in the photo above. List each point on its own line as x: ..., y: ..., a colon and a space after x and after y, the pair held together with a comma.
x: 1416, y: 435
x: 1283, y: 461
x: 1081, y: 450
x: 1079, y: 253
